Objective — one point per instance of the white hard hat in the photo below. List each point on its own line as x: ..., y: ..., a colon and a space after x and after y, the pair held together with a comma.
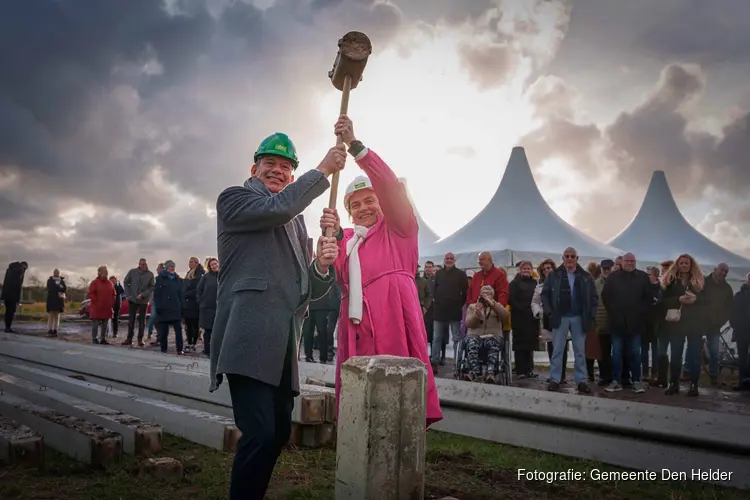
x: 358, y: 184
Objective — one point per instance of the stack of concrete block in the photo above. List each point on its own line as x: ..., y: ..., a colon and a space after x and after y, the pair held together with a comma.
x: 20, y: 445
x: 314, y: 417
x: 75, y: 437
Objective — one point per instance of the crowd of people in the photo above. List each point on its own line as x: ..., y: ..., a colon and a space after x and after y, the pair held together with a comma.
x: 633, y: 324
x: 173, y: 301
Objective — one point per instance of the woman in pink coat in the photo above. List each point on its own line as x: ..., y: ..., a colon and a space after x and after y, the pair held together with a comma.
x: 380, y: 311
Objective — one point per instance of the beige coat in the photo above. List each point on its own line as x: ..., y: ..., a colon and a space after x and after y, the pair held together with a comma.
x: 482, y: 324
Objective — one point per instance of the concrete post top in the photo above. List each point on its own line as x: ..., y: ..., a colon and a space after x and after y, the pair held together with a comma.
x: 386, y: 365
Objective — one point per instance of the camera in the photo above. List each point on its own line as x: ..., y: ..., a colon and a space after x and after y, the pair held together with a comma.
x: 483, y: 301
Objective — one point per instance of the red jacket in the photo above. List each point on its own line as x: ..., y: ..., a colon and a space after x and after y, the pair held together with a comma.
x: 496, y: 278
x: 102, y: 295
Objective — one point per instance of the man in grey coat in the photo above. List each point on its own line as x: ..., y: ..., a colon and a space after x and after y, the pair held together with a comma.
x: 139, y: 286
x: 266, y: 281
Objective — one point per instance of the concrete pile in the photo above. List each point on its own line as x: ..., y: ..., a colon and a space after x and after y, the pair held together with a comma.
x: 122, y: 391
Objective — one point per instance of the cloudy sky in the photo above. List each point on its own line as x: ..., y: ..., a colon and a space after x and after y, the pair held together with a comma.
x: 120, y: 122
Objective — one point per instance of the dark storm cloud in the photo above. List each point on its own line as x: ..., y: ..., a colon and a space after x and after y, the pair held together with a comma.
x: 654, y: 135
x: 695, y: 30
x: 114, y: 227
x: 17, y: 212
x: 108, y: 103
x: 117, y: 88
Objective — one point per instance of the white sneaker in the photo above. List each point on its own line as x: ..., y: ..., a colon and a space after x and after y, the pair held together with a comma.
x: 638, y: 388
x: 614, y: 387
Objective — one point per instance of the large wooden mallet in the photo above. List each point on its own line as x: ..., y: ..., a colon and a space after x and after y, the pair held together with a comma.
x: 354, y: 49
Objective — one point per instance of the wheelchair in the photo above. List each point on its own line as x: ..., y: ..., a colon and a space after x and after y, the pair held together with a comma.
x: 502, y: 371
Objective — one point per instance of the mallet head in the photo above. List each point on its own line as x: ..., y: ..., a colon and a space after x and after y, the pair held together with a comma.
x: 354, y: 49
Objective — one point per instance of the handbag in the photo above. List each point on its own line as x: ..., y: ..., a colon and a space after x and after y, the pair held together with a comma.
x: 673, y: 315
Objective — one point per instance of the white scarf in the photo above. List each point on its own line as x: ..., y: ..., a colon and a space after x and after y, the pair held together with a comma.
x: 356, y: 298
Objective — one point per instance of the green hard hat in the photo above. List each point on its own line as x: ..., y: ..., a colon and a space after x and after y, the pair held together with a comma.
x: 277, y: 144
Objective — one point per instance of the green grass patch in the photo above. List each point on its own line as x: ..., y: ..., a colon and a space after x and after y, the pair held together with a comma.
x: 468, y: 469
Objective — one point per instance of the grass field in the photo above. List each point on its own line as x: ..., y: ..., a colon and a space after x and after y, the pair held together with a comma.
x: 465, y: 468
x: 40, y: 308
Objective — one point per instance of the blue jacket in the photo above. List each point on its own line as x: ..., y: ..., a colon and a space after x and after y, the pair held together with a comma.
x: 551, y: 296
x: 168, y: 294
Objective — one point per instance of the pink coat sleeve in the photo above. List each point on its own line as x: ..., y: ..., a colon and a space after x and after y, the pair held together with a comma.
x: 397, y: 209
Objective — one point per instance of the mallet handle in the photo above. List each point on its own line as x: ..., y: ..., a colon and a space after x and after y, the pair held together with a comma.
x: 339, y: 140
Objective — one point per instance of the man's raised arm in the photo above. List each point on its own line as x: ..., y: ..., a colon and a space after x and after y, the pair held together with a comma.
x: 242, y: 209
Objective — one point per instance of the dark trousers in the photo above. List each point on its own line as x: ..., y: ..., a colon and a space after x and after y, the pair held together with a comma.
x: 115, y: 321
x: 524, y: 362
x: 192, y: 330
x: 626, y: 346
x: 10, y: 311
x: 163, y: 327
x: 743, y: 360
x: 317, y: 320
x: 140, y: 310
x: 333, y: 319
x: 550, y: 350
x: 605, y: 363
x: 207, y: 341
x: 693, y: 357
x: 263, y: 413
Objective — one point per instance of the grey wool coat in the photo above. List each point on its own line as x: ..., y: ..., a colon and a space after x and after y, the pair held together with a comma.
x: 261, y: 304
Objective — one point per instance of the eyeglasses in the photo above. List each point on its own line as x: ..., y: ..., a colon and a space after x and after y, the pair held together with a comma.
x: 570, y: 256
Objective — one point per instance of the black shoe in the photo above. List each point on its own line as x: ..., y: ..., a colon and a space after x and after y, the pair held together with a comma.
x: 94, y: 341
x: 103, y: 342
x: 672, y: 390
x: 553, y: 386
x: 309, y: 359
x: 9, y: 330
x: 583, y: 388
x: 693, y: 391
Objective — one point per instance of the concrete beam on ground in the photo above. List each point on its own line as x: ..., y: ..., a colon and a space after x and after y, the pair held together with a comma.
x: 608, y: 415
x: 138, y: 437
x: 199, y: 427
x: 138, y: 368
x: 381, y: 437
x: 621, y: 451
x: 71, y: 436
x: 221, y: 410
x: 20, y: 445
